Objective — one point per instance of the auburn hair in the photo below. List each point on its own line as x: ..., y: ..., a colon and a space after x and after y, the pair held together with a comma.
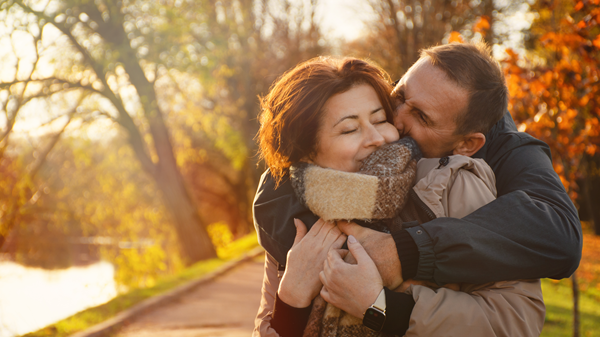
x: 292, y: 111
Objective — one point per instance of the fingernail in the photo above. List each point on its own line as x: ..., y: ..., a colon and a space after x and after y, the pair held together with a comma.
x: 351, y: 239
x: 296, y: 222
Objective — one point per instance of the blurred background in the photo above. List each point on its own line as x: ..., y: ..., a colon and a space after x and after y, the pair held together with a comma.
x: 127, y: 128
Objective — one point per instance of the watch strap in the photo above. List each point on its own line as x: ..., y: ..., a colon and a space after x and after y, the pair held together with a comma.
x: 380, y: 301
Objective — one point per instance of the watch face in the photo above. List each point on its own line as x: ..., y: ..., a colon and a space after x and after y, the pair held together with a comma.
x: 374, y: 319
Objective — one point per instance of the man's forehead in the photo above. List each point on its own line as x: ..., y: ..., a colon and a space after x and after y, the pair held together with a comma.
x: 411, y: 71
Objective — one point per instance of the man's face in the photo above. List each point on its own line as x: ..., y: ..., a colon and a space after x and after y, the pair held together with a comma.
x: 429, y: 103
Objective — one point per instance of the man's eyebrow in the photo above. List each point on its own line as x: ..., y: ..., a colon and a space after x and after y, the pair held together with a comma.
x: 355, y: 116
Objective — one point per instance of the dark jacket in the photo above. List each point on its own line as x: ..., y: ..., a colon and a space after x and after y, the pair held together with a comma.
x: 531, y: 231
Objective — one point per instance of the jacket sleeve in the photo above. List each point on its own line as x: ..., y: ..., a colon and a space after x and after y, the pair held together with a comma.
x: 274, y: 209
x: 505, y: 309
x: 262, y: 322
x: 274, y: 317
x: 531, y: 231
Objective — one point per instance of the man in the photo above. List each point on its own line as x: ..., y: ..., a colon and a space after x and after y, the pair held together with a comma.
x: 530, y: 231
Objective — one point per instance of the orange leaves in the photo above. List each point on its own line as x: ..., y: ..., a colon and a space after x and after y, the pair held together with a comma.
x: 455, y: 37
x: 558, y: 100
x: 589, y: 268
x: 596, y: 42
x: 482, y: 25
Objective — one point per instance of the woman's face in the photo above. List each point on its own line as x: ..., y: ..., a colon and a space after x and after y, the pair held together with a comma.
x: 353, y: 127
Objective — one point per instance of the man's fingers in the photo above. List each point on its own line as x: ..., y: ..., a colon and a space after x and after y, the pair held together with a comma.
x: 300, y: 230
x: 349, y: 228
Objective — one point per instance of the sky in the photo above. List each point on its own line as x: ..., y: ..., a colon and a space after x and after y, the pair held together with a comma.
x: 344, y: 18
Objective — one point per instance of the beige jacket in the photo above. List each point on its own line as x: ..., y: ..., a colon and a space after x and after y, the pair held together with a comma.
x: 510, y: 308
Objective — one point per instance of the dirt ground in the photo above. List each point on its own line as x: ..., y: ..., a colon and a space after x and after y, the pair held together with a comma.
x: 225, y: 306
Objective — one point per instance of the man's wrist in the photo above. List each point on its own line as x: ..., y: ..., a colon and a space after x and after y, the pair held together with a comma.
x: 408, y: 253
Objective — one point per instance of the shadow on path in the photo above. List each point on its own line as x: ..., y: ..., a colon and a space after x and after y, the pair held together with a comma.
x: 225, y: 306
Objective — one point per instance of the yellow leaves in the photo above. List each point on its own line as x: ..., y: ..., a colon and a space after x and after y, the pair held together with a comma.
x: 455, y: 37
x: 578, y: 6
x: 220, y: 235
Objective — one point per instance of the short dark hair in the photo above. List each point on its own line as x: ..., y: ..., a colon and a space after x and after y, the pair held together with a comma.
x: 472, y: 67
x: 291, y: 113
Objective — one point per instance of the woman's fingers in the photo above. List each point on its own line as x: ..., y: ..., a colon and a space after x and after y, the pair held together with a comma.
x: 339, y: 242
x: 317, y: 228
x: 333, y: 234
x: 300, y: 230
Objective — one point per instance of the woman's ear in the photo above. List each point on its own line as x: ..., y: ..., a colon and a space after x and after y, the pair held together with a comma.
x: 470, y: 144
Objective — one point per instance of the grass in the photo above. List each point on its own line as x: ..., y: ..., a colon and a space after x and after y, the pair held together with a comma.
x: 95, y: 315
x: 559, y: 310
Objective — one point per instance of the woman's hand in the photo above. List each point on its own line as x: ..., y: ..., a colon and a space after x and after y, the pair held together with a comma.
x: 300, y: 282
x: 351, y: 287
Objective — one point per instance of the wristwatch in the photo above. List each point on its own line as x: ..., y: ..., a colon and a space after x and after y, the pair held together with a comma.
x: 374, y: 317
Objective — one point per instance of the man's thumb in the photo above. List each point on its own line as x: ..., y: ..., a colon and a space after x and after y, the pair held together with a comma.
x: 358, y: 251
x: 300, y: 230
x: 347, y: 227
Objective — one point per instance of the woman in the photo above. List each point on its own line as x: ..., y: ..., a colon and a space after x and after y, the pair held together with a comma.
x: 334, y: 114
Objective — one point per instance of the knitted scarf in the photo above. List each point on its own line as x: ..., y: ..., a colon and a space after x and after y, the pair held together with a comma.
x: 375, y: 194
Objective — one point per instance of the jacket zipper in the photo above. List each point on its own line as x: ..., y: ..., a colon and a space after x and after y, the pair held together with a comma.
x: 419, y: 203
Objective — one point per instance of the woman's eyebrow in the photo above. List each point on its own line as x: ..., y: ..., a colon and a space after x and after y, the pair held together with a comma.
x: 355, y: 116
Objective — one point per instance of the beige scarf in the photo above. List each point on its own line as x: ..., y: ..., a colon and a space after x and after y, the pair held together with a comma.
x: 377, y: 192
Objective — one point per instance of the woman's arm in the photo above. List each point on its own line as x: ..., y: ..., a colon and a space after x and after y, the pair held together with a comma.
x: 285, y: 302
x: 275, y: 318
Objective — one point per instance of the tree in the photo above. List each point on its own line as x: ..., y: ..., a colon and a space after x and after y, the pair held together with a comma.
x: 403, y: 27
x: 108, y: 50
x: 182, y: 80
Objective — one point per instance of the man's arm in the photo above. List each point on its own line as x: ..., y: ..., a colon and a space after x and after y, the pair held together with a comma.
x: 531, y: 231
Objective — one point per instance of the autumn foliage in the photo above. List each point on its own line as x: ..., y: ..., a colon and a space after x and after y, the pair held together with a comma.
x: 555, y: 90
x: 555, y: 96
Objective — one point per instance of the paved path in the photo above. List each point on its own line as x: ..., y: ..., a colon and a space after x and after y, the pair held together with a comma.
x: 225, y: 306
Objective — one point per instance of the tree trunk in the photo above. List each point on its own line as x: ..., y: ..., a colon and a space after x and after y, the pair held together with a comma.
x: 193, y: 237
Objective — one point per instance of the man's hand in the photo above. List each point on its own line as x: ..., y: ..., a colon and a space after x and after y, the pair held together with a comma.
x: 350, y: 287
x: 300, y: 282
x: 382, y: 249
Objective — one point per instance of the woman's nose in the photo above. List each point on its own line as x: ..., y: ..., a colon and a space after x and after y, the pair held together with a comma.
x: 374, y: 137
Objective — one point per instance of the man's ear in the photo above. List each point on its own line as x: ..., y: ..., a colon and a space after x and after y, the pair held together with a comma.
x: 470, y: 144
